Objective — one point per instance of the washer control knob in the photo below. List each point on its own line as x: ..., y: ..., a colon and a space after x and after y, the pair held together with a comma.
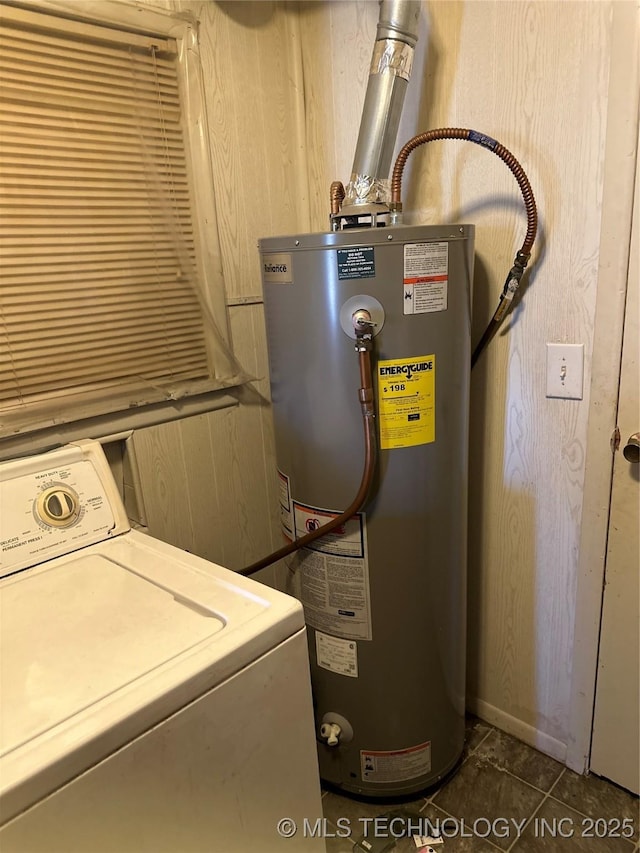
x: 58, y: 506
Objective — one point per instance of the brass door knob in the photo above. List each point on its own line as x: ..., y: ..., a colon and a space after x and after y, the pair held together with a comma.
x: 631, y: 450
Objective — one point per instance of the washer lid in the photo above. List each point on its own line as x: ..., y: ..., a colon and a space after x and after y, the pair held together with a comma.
x: 78, y: 633
x: 102, y: 644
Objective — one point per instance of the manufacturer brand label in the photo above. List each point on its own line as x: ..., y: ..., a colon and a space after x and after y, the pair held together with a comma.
x: 277, y: 267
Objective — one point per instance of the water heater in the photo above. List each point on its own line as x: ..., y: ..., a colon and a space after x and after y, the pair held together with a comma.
x: 384, y: 594
x: 382, y: 576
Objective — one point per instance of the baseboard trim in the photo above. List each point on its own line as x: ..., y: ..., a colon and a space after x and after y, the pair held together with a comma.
x: 523, y: 731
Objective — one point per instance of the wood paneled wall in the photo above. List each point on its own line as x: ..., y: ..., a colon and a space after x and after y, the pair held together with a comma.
x: 285, y: 89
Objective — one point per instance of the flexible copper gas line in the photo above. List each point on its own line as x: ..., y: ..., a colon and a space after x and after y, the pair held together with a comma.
x: 486, y: 142
x: 365, y: 395
x: 524, y: 253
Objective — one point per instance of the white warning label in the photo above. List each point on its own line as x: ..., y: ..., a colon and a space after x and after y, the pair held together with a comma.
x: 286, y: 507
x: 426, y: 277
x: 396, y: 766
x: 332, y: 576
x: 337, y: 655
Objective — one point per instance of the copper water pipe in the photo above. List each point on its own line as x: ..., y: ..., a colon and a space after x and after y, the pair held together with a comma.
x: 365, y: 395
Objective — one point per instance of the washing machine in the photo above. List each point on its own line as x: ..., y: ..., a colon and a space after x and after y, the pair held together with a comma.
x: 150, y: 700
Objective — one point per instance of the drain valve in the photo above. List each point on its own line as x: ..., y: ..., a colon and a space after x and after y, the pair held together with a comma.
x: 331, y: 733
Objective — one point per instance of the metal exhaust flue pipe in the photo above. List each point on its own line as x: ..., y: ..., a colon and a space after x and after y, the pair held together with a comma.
x: 396, y: 38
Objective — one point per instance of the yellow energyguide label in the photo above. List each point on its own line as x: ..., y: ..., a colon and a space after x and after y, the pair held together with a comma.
x: 407, y: 401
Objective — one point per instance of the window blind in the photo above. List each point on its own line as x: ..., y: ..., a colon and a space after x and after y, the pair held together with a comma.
x: 99, y: 298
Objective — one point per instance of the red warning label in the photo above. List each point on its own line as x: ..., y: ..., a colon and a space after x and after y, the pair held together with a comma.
x: 396, y: 766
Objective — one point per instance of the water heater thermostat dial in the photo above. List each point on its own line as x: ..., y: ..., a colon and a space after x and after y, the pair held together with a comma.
x: 58, y: 506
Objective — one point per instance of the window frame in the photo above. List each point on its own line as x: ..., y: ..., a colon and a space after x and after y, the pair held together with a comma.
x: 124, y: 16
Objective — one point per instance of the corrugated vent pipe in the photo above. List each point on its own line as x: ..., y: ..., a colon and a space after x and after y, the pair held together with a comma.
x: 396, y: 38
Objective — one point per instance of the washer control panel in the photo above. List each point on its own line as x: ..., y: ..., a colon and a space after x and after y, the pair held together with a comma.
x: 56, y: 503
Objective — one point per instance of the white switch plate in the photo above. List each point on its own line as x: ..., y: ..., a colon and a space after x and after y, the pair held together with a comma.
x: 565, y: 370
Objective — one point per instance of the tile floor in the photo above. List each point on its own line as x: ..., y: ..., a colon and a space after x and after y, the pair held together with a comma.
x: 505, y: 796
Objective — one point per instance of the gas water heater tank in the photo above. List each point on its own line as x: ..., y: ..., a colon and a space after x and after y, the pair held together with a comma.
x: 384, y: 596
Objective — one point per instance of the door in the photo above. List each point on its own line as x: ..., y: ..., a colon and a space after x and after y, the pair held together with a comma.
x: 615, y: 752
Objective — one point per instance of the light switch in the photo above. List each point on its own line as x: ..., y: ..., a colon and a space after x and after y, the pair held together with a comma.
x: 565, y: 370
